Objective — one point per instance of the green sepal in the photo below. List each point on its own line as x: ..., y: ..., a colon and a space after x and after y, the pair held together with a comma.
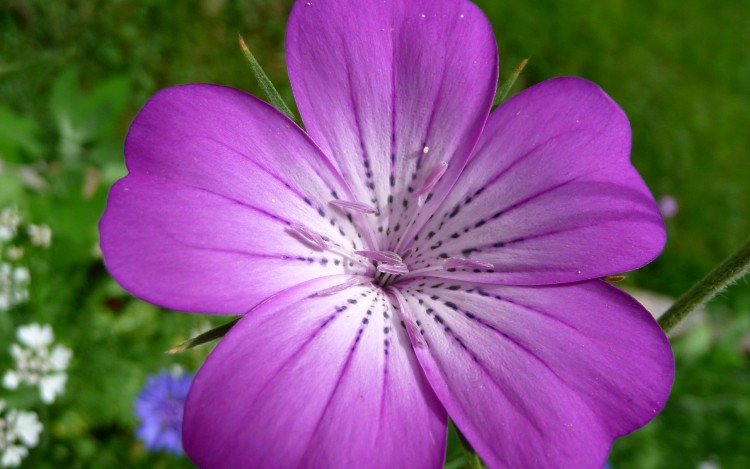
x: 472, y: 461
x: 213, y: 334
x: 504, y: 89
x: 269, y: 90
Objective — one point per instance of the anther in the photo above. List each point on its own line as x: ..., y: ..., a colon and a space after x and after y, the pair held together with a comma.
x: 432, y: 179
x: 425, y: 150
x: 397, y: 269
x: 356, y: 206
x: 337, y: 288
x: 389, y: 257
x: 461, y: 263
x: 307, y: 235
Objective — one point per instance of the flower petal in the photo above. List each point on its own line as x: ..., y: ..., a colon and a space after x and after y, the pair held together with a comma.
x: 216, y: 178
x: 549, y: 196
x: 391, y: 90
x: 309, y: 380
x: 541, y: 376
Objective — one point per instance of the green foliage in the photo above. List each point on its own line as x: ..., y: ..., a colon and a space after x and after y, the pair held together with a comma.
x: 73, y: 75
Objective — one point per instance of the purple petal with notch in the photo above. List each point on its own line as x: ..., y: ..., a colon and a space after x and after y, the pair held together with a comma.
x: 216, y: 179
x: 377, y: 83
x: 309, y: 381
x: 549, y: 196
x: 540, y: 376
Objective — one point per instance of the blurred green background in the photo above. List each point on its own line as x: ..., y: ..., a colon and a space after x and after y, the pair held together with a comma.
x: 74, y: 73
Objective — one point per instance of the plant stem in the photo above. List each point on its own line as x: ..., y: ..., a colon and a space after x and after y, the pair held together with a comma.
x: 732, y: 269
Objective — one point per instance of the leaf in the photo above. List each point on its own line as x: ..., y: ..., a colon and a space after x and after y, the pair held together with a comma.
x: 19, y: 137
x: 504, y: 89
x: 213, y: 334
x: 265, y: 83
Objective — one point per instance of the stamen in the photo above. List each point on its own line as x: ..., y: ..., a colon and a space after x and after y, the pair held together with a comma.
x: 389, y: 257
x: 398, y: 269
x: 337, y: 288
x: 308, y: 235
x: 425, y: 150
x: 432, y: 179
x: 356, y: 206
x: 461, y: 263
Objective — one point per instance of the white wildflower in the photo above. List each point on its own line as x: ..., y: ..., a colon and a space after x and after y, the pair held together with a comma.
x: 14, y: 285
x: 35, y: 335
x: 37, y: 364
x: 40, y: 235
x: 10, y: 218
x: 19, y: 431
x: 14, y: 253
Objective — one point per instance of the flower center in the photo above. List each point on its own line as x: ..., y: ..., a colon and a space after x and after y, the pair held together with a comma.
x: 384, y: 267
x: 389, y: 266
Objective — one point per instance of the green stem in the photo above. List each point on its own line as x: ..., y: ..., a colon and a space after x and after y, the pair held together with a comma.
x: 732, y: 269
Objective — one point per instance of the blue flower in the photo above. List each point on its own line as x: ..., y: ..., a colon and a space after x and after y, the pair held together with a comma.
x: 159, y: 407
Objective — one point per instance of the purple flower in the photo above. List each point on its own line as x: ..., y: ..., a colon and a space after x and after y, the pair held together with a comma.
x: 408, y: 258
x: 159, y: 407
x: 668, y: 206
